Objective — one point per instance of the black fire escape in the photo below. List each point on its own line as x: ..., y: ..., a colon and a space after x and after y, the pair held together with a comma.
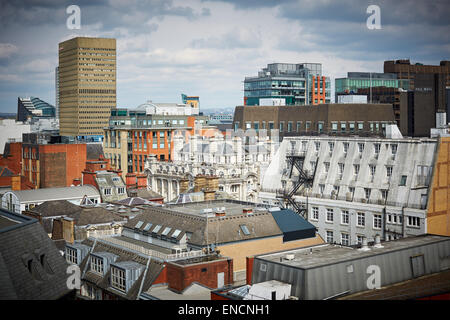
x: 303, y: 179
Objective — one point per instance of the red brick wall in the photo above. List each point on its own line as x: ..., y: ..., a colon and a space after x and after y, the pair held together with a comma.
x: 249, y: 269
x: 180, y: 277
x: 61, y: 171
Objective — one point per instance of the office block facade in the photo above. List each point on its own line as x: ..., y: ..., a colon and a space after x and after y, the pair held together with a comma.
x: 294, y: 84
x: 87, y: 85
x: 405, y: 70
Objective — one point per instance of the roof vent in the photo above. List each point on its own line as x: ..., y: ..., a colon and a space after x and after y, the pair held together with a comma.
x: 290, y: 256
x: 378, y: 241
x: 364, y: 246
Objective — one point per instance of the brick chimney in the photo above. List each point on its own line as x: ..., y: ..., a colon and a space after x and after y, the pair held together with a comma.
x: 16, y: 182
x: 141, y: 181
x: 199, y: 183
x: 184, y: 185
x: 212, y: 183
x: 131, y: 180
x: 76, y: 182
x: 68, y: 226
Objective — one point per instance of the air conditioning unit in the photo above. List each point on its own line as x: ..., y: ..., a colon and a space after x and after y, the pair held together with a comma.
x: 289, y: 257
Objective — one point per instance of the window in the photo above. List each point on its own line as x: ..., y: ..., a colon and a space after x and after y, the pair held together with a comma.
x: 96, y: 264
x: 355, y: 169
x: 118, y: 278
x: 403, y: 181
x: 384, y: 194
x: 289, y: 127
x: 244, y: 229
x: 315, y: 213
x: 330, y: 215
x: 394, y: 149
x: 326, y: 166
x: 307, y: 125
x: 120, y: 190
x: 344, y: 217
x: 361, y: 220
x: 360, y: 126
x: 344, y: 239
x: 320, y: 127
x: 71, y: 255
x: 372, y: 169
x: 299, y: 125
x: 343, y: 127
x: 359, y: 239
x: 321, y: 188
x: 334, y: 126
x: 345, y: 144
x: 413, y: 221
x: 367, y: 193
x: 317, y: 145
x: 331, y: 145
x: 360, y: 147
x: 281, y: 126
x: 377, y: 221
x: 107, y: 191
x: 377, y: 147
x: 330, y: 236
x: 388, y: 171
x: 341, y: 168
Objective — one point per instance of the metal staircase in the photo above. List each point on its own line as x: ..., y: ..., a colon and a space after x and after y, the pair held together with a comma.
x: 286, y: 196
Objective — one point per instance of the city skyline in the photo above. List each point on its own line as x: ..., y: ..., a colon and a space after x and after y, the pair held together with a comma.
x: 207, y: 48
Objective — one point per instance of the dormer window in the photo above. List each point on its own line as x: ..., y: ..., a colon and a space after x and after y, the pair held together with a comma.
x: 97, y: 264
x: 71, y: 255
x: 118, y: 278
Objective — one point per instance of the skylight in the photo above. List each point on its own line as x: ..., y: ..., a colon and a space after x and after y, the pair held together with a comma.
x: 148, y: 226
x: 157, y: 228
x: 166, y: 231
x: 176, y: 233
x: 245, y: 229
x: 139, y: 224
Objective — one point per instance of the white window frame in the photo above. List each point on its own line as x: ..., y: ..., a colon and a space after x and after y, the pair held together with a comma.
x: 345, y: 217
x: 330, y: 211
x: 328, y: 232
x: 377, y: 221
x: 71, y: 255
x: 347, y: 240
x: 315, y: 213
x: 97, y: 264
x: 118, y: 278
x: 361, y: 217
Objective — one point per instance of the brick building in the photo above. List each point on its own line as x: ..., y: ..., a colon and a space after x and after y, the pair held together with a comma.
x: 335, y: 119
x: 405, y: 70
x: 49, y: 162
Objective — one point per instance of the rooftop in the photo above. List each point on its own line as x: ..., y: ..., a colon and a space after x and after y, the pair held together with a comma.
x: 209, y: 207
x: 321, y: 255
x: 47, y: 194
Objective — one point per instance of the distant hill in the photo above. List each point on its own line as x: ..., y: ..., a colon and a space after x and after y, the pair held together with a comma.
x: 5, y: 115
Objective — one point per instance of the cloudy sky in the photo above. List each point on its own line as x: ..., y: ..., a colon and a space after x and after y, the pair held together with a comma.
x: 206, y: 48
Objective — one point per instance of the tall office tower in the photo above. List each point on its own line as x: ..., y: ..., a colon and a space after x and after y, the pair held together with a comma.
x: 57, y: 92
x: 87, y: 86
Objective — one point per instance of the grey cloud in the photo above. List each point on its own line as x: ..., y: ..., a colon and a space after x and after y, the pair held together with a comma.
x: 234, y: 39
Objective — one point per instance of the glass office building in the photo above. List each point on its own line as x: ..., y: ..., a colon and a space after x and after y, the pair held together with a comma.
x: 363, y: 80
x: 295, y: 84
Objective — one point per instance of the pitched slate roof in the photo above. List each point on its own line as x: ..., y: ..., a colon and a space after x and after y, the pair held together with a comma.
x: 220, y: 229
x: 123, y: 255
x: 23, y: 242
x: 56, y: 208
x: 94, y: 151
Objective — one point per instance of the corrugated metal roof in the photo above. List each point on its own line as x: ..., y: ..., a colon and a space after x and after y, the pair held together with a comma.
x: 48, y: 194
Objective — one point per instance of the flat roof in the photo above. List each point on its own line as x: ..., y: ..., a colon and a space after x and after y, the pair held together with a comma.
x: 230, y: 207
x: 321, y: 255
